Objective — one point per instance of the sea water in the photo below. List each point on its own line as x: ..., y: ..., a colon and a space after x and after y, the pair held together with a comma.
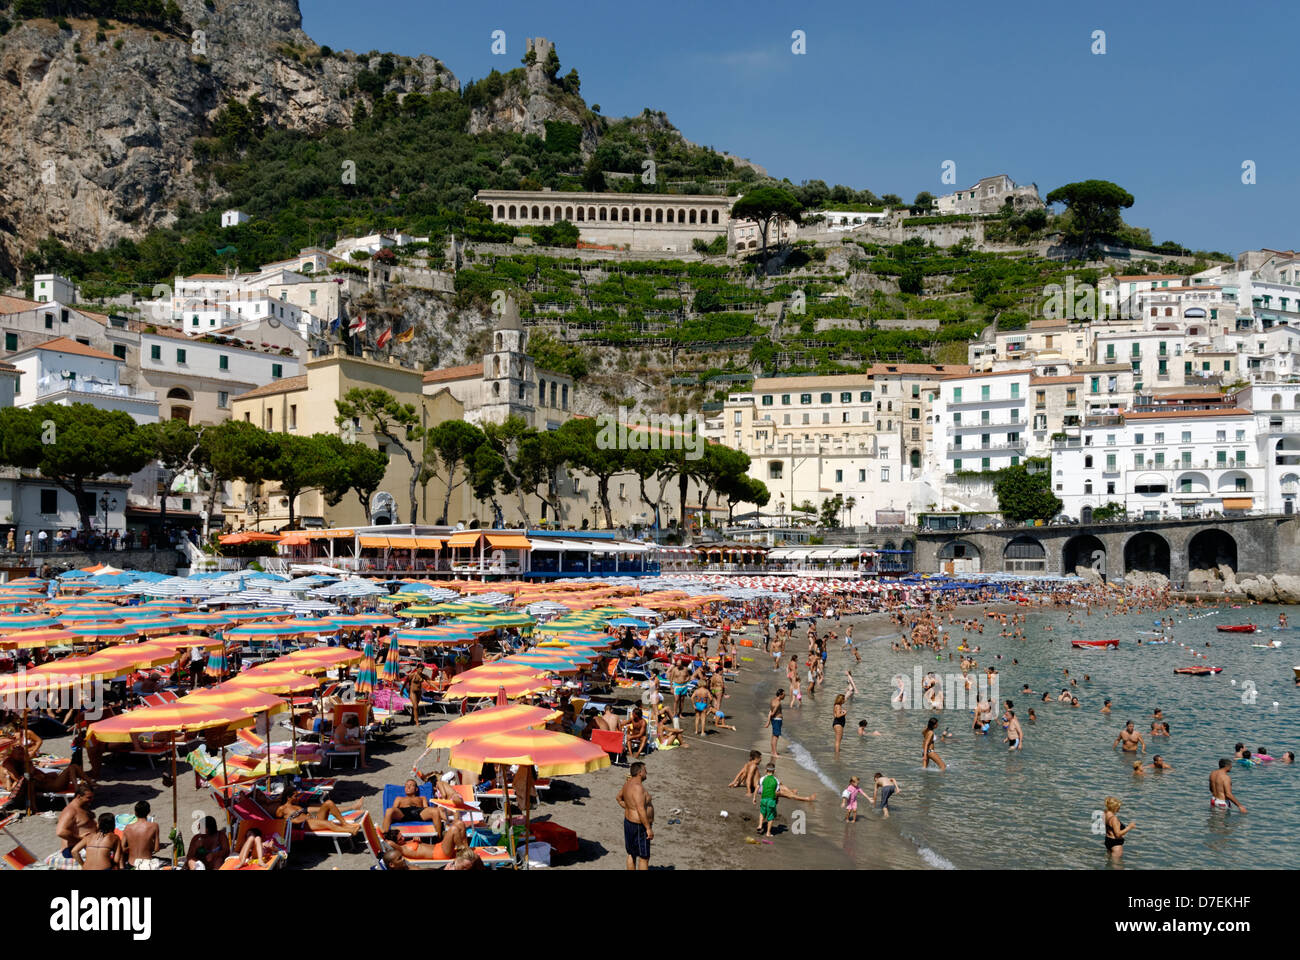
x: 1040, y: 807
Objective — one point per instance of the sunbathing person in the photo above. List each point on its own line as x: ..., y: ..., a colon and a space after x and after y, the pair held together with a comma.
x: 318, y: 818
x: 103, y: 849
x: 252, y: 848
x: 76, y: 822
x: 636, y: 733
x: 441, y: 787
x: 17, y: 765
x: 394, y: 859
x: 209, y: 849
x: 412, y: 808
x: 467, y: 859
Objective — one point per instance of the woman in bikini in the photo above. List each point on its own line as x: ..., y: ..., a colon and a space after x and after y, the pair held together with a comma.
x: 103, y: 849
x: 837, y: 723
x: 208, y: 849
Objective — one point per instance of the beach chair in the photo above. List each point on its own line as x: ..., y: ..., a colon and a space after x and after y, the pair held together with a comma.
x: 351, y: 817
x: 19, y: 858
x: 361, y: 709
x: 160, y: 699
x: 276, y: 838
x: 612, y: 742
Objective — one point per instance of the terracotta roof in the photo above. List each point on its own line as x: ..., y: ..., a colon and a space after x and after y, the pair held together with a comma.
x: 7, y: 367
x: 1192, y: 396
x: 286, y: 385
x: 1176, y: 414
x: 1047, y: 380
x: 466, y: 372
x: 927, y: 369
x: 1044, y: 324
x: 991, y: 373
x: 64, y: 345
x: 19, y: 304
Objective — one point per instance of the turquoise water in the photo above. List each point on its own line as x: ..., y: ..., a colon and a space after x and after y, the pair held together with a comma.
x: 1036, y: 808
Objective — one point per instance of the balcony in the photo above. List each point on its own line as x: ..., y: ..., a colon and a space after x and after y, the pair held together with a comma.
x: 50, y: 386
x: 991, y: 448
x: 990, y: 425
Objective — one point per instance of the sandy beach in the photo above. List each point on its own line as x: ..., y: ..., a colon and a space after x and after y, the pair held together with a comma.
x: 687, y: 784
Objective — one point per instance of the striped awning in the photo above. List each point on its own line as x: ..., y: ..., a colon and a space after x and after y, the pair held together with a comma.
x: 466, y: 538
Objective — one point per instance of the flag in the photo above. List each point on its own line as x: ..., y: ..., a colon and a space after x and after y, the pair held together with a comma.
x: 407, y: 335
x: 383, y: 339
x: 358, y: 325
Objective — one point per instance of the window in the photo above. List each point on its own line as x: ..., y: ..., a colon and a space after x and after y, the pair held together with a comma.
x: 956, y: 394
x: 774, y: 470
x: 49, y: 501
x: 767, y: 400
x: 1160, y: 458
x: 1139, y: 438
x: 984, y: 464
x: 826, y: 398
x: 736, y: 417
x: 956, y: 465
x: 1139, y: 461
x: 785, y: 399
x: 864, y: 396
x: 1087, y: 462
x: 862, y: 476
x: 839, y: 476
x: 1110, y: 463
x: 884, y: 474
x: 1221, y: 457
x: 223, y: 399
x: 1015, y: 391
x: 1241, y: 458
x: 846, y: 397
x: 914, y: 413
x: 119, y: 351
x: 11, y: 342
x: 223, y: 362
x: 180, y: 356
x: 805, y: 398
x: 155, y: 352
x: 293, y: 416
x: 277, y: 371
x: 269, y: 418
x: 49, y: 321
x: 985, y: 391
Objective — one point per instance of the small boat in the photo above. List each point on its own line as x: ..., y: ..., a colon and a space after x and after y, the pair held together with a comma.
x: 1094, y: 643
x: 1237, y: 628
x: 1275, y: 645
x: 1198, y: 671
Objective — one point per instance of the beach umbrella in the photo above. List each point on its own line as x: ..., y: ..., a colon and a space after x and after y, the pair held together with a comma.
x: 365, y: 683
x: 26, y: 621
x: 102, y: 631
x: 282, y: 682
x: 629, y: 622
x: 30, y: 639
x: 489, y: 721
x: 432, y: 637
x: 246, y: 698
x: 317, y: 656
x: 203, y: 619
x: 511, y: 686
x: 393, y: 660
x: 172, y: 606
x: 539, y: 661
x: 217, y: 664
x: 352, y: 621
x: 550, y: 753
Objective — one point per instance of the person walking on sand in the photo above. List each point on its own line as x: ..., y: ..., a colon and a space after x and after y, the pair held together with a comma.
x: 838, y: 721
x: 774, y: 720
x: 638, y: 818
x: 927, y: 746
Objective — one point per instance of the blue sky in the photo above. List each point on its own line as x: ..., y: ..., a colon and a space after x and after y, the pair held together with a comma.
x: 1185, y: 93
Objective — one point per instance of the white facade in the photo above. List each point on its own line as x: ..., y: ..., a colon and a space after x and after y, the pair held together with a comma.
x: 195, y: 380
x: 233, y: 218
x: 53, y: 288
x: 65, y: 372
x: 982, y: 423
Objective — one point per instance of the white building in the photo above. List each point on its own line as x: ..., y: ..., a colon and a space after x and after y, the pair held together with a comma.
x: 63, y: 371
x: 989, y: 195
x: 233, y: 218
x: 983, y: 420
x: 53, y: 288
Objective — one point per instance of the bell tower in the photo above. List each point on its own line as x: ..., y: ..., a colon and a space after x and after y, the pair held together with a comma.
x: 509, y: 384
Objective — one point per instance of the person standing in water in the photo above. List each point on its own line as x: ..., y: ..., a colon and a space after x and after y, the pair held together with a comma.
x: 837, y: 723
x: 774, y: 720
x: 927, y: 746
x: 1115, y: 829
x: 1221, y: 788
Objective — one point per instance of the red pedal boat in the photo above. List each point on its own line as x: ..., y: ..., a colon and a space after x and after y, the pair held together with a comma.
x: 1095, y: 643
x: 1237, y: 628
x: 1198, y: 671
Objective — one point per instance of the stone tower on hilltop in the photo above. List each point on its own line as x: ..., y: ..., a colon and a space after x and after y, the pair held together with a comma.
x: 542, y: 48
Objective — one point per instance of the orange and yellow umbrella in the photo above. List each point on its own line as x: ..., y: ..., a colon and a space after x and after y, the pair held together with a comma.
x: 168, y: 718
x: 30, y: 639
x: 282, y: 682
x: 513, y: 685
x: 553, y: 754
x: 248, y: 700
x: 489, y: 722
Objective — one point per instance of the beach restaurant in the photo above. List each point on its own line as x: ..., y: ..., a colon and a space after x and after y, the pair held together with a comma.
x: 423, y: 549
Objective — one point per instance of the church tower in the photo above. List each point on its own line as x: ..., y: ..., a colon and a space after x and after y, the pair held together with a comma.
x: 508, y: 375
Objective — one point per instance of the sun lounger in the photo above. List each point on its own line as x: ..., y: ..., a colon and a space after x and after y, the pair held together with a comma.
x: 276, y: 838
x: 611, y: 741
x: 19, y: 858
x: 351, y: 817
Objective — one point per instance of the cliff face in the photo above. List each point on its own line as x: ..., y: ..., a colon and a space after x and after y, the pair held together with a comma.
x: 525, y: 108
x: 96, y: 135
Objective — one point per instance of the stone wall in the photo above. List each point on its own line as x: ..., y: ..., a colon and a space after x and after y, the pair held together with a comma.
x: 24, y: 564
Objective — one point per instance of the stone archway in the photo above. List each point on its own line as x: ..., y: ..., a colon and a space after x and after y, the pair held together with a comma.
x: 1024, y: 555
x: 1083, y: 551
x: 1211, y: 548
x: 1146, y: 553
x: 959, y: 556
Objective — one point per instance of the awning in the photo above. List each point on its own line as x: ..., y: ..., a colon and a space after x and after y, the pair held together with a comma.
x: 428, y: 543
x: 508, y: 541
x: 467, y: 538
x: 375, y: 542
x: 625, y: 546
x: 823, y: 554
x: 316, y: 534
x: 846, y: 553
x: 1238, y: 503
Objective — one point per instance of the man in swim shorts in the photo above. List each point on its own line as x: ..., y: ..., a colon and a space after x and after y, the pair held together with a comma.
x: 885, y: 788
x: 638, y: 818
x: 679, y: 676
x: 1130, y: 739
x: 1221, y: 788
x: 774, y: 719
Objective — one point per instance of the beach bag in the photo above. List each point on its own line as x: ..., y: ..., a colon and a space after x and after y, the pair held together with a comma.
x: 538, y: 853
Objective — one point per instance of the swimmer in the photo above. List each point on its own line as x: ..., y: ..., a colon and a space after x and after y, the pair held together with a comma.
x: 1105, y: 707
x: 1221, y: 788
x: 1158, y: 763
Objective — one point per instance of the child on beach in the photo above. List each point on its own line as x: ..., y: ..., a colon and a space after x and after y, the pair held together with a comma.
x: 850, y: 800
x: 885, y: 788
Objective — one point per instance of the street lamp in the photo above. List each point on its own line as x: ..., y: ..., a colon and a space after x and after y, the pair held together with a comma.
x: 107, y: 503
x: 255, y: 507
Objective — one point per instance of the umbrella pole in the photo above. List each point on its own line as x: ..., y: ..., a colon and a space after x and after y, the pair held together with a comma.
x: 510, y: 830
x: 230, y: 822
x: 175, y: 805
x: 31, y: 763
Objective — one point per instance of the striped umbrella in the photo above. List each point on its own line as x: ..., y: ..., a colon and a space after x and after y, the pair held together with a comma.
x: 31, y: 639
x: 217, y: 664
x: 246, y: 699
x: 103, y: 631
x: 555, y: 665
x: 172, y: 606
x: 281, y: 682
x: 167, y: 719
x: 247, y: 613
x: 392, y: 660
x: 26, y: 621
x: 511, y: 686
x: 365, y: 683
x: 432, y: 637
x: 488, y: 722
x: 327, y: 657
x: 184, y: 641
x: 203, y: 619
x: 352, y: 621
x: 553, y: 754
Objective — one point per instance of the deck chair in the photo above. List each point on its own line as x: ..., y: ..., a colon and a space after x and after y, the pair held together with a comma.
x: 612, y: 742
x: 351, y: 817
x: 160, y: 699
x: 19, y: 858
x: 276, y: 838
x: 361, y: 709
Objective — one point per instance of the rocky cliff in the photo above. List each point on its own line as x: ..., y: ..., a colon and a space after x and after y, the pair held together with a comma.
x: 98, y: 121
